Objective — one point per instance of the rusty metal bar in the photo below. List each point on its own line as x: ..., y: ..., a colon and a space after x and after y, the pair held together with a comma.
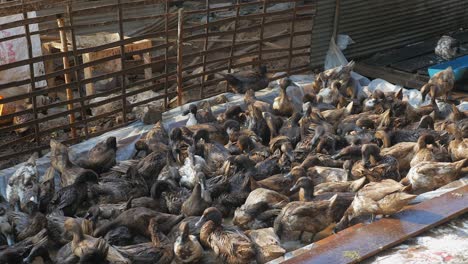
x: 77, y: 62
x: 291, y: 39
x: 66, y: 65
x: 233, y: 41
x: 33, y: 80
x: 205, y: 48
x: 180, y: 46
x: 262, y: 31
x: 166, y: 51
x: 367, y: 240
x: 122, y: 61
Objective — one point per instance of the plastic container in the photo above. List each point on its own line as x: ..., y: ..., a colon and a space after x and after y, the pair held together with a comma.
x: 459, y: 66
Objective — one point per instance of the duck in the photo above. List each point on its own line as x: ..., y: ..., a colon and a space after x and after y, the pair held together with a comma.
x: 386, y: 197
x: 213, y: 153
x: 153, y: 141
x: 156, y: 251
x: 229, y: 243
x: 57, y: 234
x: 304, y: 216
x: 291, y: 128
x: 243, y: 81
x: 250, y: 98
x: 339, y: 186
x: 26, y: 250
x: 257, y: 124
x: 458, y: 147
x: 321, y: 174
x: 255, y: 150
x: 217, y: 132
x: 70, y: 198
x: 274, y: 123
x: 284, y: 146
x: 187, y: 248
x: 60, y: 161
x: 152, y: 164
x: 341, y: 73
x: 422, y: 151
x: 199, y: 200
x: 191, y: 166
x: 280, y: 183
x: 440, y: 84
x: 430, y: 175
x: 403, y: 152
x: 25, y: 225
x: 100, y: 158
x: 195, y: 117
x: 282, y: 104
x: 137, y: 220
x: 22, y: 181
x: 169, y: 195
x: 323, y: 160
x: 115, y: 187
x: 336, y: 115
x: 380, y: 167
x: 81, y: 243
x: 260, y: 209
x: 332, y: 94
x: 46, y: 189
x: 97, y: 253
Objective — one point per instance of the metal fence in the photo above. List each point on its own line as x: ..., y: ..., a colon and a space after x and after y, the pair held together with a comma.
x: 188, y: 46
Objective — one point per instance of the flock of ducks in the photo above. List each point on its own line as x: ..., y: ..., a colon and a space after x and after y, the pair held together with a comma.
x: 235, y: 188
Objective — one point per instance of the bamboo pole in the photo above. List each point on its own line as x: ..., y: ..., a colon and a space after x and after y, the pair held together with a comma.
x: 66, y: 65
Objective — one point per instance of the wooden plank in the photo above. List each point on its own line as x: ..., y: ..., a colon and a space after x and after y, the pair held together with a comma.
x: 414, y: 64
x: 359, y: 242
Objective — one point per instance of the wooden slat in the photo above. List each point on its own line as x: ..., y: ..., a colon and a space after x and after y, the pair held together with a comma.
x: 359, y: 242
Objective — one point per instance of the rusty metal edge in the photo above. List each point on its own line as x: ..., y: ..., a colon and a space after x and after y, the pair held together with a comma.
x: 436, y: 205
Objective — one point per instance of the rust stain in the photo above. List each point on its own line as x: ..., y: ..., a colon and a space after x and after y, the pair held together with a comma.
x: 362, y: 241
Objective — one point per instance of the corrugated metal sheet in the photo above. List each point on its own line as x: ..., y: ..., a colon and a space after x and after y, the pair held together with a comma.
x: 381, y: 24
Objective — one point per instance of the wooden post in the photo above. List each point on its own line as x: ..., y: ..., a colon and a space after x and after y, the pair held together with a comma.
x: 180, y: 44
x: 233, y: 40
x: 88, y: 73
x: 66, y: 65
x: 122, y: 62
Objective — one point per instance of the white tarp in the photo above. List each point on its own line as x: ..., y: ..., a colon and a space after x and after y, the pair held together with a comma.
x: 17, y: 50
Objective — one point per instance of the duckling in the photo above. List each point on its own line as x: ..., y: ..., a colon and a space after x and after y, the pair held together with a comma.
x: 430, y: 175
x: 230, y: 244
x: 199, y: 200
x: 249, y: 98
x: 440, y: 84
x: 59, y: 159
x: 187, y: 249
x: 260, y: 208
x: 137, y: 220
x: 243, y: 81
x: 101, y: 157
x: 386, y: 198
x: 304, y: 216
x: 282, y: 104
x: 68, y: 199
x: 25, y: 177
x: 156, y: 251
x: 381, y: 167
x: 82, y: 242
x: 422, y: 152
x: 153, y: 140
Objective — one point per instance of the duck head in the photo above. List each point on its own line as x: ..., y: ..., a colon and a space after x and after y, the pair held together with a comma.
x: 111, y: 143
x: 192, y: 113
x: 93, y: 213
x: 6, y: 229
x: 424, y: 140
x: 426, y: 122
x: 245, y: 143
x: 210, y: 214
x: 368, y: 151
x: 231, y: 126
x: 285, y: 83
x: 305, y: 187
x: 295, y: 173
x: 242, y: 163
x: 384, y: 137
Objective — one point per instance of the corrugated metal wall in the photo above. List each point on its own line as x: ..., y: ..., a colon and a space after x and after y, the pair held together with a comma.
x: 377, y: 25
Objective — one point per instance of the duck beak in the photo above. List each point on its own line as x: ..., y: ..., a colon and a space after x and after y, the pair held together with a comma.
x: 289, y: 176
x: 290, y: 155
x: 294, y: 189
x: 200, y: 222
